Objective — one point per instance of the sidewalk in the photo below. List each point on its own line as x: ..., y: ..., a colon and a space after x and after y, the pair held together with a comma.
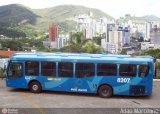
x: 156, y: 79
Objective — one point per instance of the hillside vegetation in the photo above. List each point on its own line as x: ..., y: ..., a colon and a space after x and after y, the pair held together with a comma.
x: 16, y: 15
x: 27, y: 22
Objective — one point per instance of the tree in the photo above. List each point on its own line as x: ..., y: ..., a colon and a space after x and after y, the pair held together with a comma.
x: 76, y: 42
x: 97, y: 40
x: 2, y: 73
x: 91, y: 47
x: 154, y: 53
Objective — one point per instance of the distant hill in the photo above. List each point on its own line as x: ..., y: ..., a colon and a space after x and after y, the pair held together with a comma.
x: 151, y: 18
x: 147, y: 18
x: 63, y: 15
x: 16, y: 14
x: 40, y: 19
x: 69, y: 11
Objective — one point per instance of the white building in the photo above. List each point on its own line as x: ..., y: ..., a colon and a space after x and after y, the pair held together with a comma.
x: 50, y: 44
x: 125, y: 35
x: 62, y: 41
x: 109, y: 47
x: 147, y: 45
x: 142, y: 27
x: 114, y: 43
x: 85, y: 23
x: 90, y: 26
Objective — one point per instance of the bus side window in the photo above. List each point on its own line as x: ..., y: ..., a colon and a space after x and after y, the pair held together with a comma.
x: 127, y: 70
x: 48, y: 69
x: 65, y: 69
x: 106, y: 69
x: 85, y: 70
x: 143, y: 70
x: 32, y: 68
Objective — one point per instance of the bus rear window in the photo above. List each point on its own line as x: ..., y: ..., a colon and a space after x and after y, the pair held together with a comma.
x: 143, y: 70
x: 85, y: 70
x: 48, y: 68
x: 65, y: 69
x: 32, y: 68
x: 104, y: 69
x: 127, y: 70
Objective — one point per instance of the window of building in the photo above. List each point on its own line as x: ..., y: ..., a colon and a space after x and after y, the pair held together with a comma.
x: 104, y: 69
x: 127, y: 70
x: 15, y: 70
x: 65, y: 69
x: 48, y: 68
x: 143, y: 70
x: 85, y: 70
x: 32, y: 68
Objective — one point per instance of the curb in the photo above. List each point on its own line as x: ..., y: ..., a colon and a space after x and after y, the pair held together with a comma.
x: 156, y: 79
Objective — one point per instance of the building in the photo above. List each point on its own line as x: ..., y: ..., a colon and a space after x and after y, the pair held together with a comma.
x: 141, y: 29
x: 116, y: 38
x: 125, y: 35
x: 147, y: 45
x: 109, y: 28
x: 85, y: 24
x: 90, y: 26
x: 62, y: 41
x: 50, y: 44
x: 109, y: 47
x: 113, y: 44
x: 53, y: 33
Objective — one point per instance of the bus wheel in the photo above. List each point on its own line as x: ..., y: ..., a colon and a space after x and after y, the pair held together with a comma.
x: 105, y: 91
x: 35, y: 87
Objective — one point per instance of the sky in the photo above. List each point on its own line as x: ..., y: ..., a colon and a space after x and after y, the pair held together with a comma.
x: 115, y: 8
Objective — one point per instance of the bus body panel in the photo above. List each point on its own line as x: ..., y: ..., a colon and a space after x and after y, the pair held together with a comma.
x: 121, y: 85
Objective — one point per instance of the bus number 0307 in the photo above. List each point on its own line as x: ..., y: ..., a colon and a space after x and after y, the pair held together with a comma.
x: 123, y: 80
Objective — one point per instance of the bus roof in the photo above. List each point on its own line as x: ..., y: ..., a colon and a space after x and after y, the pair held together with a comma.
x: 80, y: 57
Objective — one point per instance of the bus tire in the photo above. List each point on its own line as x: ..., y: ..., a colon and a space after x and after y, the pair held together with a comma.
x: 105, y: 91
x: 35, y: 87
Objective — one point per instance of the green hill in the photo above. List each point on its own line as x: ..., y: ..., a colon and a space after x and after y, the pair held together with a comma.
x: 143, y: 19
x: 69, y: 11
x: 151, y: 18
x: 16, y: 14
x: 64, y: 14
x: 21, y: 18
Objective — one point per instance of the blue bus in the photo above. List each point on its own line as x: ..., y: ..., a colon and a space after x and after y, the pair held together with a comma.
x: 102, y: 74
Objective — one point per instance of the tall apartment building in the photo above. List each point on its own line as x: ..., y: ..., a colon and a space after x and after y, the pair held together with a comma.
x: 53, y: 33
x: 143, y: 28
x: 125, y: 35
x: 90, y: 26
x: 116, y: 37
x: 62, y: 41
x: 85, y: 24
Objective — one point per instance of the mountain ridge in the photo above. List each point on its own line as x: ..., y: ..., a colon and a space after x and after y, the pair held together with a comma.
x: 40, y: 19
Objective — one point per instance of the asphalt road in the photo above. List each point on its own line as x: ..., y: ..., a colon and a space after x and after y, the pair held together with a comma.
x: 19, y: 98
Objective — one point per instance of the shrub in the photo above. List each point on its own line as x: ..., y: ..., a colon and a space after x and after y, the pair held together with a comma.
x: 158, y: 76
x: 2, y: 73
x: 157, y: 65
